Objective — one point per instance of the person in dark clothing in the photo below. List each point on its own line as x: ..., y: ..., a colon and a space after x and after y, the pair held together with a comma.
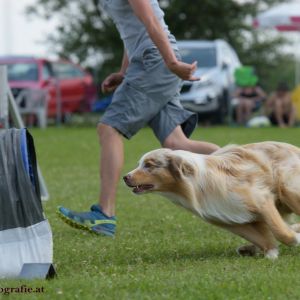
x: 250, y: 99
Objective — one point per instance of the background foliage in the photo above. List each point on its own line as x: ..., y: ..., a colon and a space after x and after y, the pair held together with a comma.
x: 85, y: 33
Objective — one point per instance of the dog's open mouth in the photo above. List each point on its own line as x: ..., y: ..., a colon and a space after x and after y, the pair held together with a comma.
x: 142, y: 188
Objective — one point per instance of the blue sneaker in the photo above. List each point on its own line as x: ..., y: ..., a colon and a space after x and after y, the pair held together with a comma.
x: 95, y: 220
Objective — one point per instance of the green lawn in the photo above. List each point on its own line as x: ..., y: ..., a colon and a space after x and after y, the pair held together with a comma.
x: 160, y: 251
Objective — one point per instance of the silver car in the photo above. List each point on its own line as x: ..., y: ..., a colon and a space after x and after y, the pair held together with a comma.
x: 217, y: 61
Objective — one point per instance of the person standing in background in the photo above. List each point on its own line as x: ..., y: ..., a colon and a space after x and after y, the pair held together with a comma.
x: 146, y: 91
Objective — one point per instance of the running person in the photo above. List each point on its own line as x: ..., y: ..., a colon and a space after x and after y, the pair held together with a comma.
x: 146, y: 92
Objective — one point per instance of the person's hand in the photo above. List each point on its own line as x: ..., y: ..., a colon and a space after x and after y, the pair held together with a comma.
x: 111, y: 82
x: 183, y: 70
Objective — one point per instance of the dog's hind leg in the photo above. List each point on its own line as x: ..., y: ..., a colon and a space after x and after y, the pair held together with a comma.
x: 280, y: 229
x: 259, y: 235
x: 290, y: 194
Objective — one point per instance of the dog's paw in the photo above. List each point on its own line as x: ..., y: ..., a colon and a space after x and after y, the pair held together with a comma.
x: 295, y: 227
x: 247, y: 250
x: 272, y: 254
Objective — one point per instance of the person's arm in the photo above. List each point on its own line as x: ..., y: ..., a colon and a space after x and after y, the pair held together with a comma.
x: 278, y: 113
x: 112, y: 81
x: 292, y: 111
x: 237, y: 93
x: 143, y: 10
x: 292, y: 116
x: 269, y: 105
x: 261, y: 95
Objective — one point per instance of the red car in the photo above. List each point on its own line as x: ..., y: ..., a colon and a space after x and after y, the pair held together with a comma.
x: 60, y: 79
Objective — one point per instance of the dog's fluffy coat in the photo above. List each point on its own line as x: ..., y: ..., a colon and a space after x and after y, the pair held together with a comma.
x: 249, y: 190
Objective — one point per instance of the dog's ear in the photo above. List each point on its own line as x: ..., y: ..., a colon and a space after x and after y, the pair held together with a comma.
x: 178, y: 167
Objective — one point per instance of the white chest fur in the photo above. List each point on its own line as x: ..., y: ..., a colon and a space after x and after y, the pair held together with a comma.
x: 229, y: 210
x: 226, y: 211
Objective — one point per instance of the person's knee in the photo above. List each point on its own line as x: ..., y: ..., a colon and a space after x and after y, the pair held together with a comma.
x: 241, y: 104
x: 277, y: 106
x: 105, y: 131
x: 173, y: 143
x: 168, y: 143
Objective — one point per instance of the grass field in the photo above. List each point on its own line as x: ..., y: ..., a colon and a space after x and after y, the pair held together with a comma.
x: 160, y: 251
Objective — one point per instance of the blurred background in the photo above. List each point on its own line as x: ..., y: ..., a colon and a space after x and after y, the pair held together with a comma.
x: 59, y: 51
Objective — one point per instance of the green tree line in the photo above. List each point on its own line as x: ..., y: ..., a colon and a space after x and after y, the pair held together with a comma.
x: 85, y: 33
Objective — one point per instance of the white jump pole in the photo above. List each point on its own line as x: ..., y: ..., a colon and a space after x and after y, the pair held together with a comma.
x: 3, y: 97
x: 8, y: 104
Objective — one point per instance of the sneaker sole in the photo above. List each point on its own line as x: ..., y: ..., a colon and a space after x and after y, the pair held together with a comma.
x: 76, y: 225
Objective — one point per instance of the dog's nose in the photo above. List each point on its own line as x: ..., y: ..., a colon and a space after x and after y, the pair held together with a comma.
x: 126, y: 178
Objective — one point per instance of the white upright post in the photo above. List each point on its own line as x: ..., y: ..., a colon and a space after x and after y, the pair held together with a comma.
x: 3, y: 97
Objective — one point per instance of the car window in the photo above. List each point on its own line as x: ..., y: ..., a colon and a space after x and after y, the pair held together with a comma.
x: 46, y: 71
x: 226, y: 55
x: 206, y: 57
x: 22, y: 71
x: 63, y: 71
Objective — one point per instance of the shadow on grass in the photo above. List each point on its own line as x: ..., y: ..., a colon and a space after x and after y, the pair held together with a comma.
x: 179, y: 256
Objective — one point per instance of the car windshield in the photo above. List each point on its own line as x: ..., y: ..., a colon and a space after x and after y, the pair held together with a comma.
x: 65, y: 70
x: 206, y: 57
x: 22, y: 71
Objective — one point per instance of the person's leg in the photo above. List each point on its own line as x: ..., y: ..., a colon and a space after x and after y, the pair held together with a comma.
x: 101, y: 218
x: 111, y: 162
x: 173, y: 125
x: 240, y: 112
x: 178, y: 141
x: 278, y: 113
x: 248, y: 108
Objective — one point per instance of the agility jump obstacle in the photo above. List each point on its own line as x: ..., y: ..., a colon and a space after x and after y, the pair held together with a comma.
x: 9, y: 108
x: 26, y: 243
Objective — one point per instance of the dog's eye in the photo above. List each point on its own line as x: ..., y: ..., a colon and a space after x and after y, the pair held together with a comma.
x: 148, y: 165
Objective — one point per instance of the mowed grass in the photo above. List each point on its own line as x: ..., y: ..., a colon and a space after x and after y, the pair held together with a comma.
x: 160, y: 251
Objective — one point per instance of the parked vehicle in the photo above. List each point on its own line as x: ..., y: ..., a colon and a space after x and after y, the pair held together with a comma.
x: 60, y: 79
x: 217, y: 61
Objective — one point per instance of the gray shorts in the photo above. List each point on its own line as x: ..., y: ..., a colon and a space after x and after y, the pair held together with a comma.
x: 149, y: 94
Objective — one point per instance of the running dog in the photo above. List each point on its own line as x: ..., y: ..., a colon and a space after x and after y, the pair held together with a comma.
x: 249, y: 190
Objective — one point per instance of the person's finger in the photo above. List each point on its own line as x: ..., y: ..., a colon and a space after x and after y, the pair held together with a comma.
x: 102, y: 88
x: 194, y: 78
x: 107, y: 82
x: 105, y: 87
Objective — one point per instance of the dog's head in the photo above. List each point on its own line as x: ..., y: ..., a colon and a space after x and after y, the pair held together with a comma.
x: 161, y: 170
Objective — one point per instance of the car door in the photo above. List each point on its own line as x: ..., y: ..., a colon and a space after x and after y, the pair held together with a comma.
x: 71, y: 85
x: 228, y: 67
